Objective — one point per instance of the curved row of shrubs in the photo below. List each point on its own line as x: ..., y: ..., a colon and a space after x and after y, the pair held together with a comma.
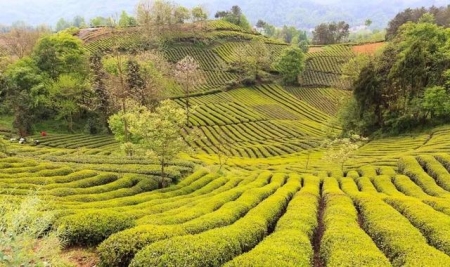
x: 411, y: 168
x: 433, y: 224
x: 290, y: 243
x: 399, y: 240
x: 217, y: 246
x: 119, y: 249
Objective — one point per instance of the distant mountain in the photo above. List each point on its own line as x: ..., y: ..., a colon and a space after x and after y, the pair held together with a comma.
x: 300, y: 13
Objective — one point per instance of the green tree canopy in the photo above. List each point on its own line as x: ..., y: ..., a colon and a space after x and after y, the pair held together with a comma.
x: 290, y: 64
x: 61, y: 53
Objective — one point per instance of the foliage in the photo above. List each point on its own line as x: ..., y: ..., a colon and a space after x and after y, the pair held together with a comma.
x: 199, y: 14
x: 251, y: 61
x: 401, y: 86
x: 441, y: 15
x: 25, y: 239
x: 126, y: 20
x: 59, y: 54
x: 352, y: 69
x: 25, y: 93
x: 91, y: 228
x: 187, y: 74
x: 3, y: 146
x: 157, y: 133
x: 290, y: 64
x: 331, y: 33
x: 68, y: 95
x: 339, y: 150
x: 234, y: 16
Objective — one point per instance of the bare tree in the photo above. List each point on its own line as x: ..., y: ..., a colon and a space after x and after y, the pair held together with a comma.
x: 187, y: 74
x: 20, y: 40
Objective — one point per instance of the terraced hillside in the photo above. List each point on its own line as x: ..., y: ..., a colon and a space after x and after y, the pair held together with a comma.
x: 258, y: 190
x: 216, y: 44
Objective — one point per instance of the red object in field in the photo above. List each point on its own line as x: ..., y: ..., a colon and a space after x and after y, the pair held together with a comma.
x: 43, y: 133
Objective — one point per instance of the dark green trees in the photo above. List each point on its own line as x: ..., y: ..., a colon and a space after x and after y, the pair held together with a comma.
x: 404, y: 87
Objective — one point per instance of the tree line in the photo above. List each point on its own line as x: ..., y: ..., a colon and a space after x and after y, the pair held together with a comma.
x: 406, y: 85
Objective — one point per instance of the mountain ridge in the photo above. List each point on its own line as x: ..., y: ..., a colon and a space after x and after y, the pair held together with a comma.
x: 303, y: 14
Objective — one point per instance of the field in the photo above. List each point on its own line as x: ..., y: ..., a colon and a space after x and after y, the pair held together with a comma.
x: 276, y: 201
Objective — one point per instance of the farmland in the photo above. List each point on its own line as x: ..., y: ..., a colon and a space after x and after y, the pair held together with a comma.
x: 257, y: 190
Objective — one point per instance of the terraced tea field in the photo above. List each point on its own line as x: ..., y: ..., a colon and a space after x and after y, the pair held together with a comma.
x: 257, y: 191
x: 386, y: 216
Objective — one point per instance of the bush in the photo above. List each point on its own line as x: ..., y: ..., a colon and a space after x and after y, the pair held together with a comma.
x: 25, y: 239
x: 91, y: 228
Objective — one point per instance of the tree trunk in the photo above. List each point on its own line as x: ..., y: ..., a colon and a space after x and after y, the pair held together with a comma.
x: 187, y: 108
x: 161, y: 182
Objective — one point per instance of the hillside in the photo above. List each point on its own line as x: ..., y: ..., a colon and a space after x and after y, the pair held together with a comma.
x: 304, y: 14
x: 259, y: 189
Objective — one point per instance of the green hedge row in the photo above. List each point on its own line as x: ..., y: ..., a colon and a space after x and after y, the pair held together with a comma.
x: 206, y: 203
x: 408, y: 187
x: 365, y: 185
x: 433, y: 224
x: 344, y: 243
x: 119, y: 249
x: 411, y: 168
x: 395, y: 236
x: 91, y: 228
x: 384, y: 184
x: 195, y: 182
x: 290, y: 243
x: 436, y: 170
x: 217, y: 246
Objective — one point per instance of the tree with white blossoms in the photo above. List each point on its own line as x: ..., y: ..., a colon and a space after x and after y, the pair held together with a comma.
x: 157, y: 134
x: 188, y: 75
x: 339, y: 150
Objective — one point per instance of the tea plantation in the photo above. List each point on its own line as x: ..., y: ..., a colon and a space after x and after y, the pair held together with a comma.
x: 275, y: 201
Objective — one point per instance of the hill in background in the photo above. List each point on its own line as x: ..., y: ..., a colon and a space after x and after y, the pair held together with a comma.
x: 303, y: 14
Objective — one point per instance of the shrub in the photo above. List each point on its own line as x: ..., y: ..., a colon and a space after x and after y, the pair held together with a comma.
x: 25, y: 239
x: 91, y: 228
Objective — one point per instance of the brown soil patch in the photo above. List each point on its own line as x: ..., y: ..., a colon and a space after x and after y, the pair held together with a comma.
x: 81, y: 257
x: 367, y: 48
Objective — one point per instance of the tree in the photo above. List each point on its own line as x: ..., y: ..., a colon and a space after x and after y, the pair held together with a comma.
x: 62, y: 24
x: 187, y: 74
x: 368, y: 22
x: 25, y: 93
x: 156, y: 75
x: 115, y: 66
x: 67, y: 95
x: 290, y: 64
x: 441, y: 15
x: 126, y: 20
x: 157, y: 133
x: 251, y: 60
x: 20, y: 39
x: 331, y: 33
x: 352, y: 69
x: 199, y: 14
x: 79, y: 22
x: 181, y: 14
x: 100, y: 22
x: 339, y: 150
x: 234, y: 16
x: 436, y: 102
x: 101, y: 102
x: 61, y: 53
